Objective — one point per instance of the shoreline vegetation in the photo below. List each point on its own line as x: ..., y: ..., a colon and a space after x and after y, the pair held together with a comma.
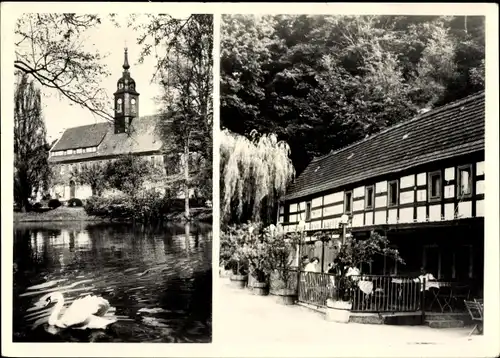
x: 78, y: 214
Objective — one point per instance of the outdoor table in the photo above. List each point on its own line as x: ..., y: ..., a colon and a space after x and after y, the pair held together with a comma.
x: 437, y: 288
x: 366, y: 286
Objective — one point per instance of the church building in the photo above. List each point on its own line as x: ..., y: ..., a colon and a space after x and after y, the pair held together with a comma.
x: 92, y: 144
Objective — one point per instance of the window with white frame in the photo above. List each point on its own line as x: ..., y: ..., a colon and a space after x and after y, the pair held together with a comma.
x: 393, y: 193
x: 464, y: 181
x: 308, y: 211
x: 434, y: 186
x: 348, y: 202
x: 369, y: 197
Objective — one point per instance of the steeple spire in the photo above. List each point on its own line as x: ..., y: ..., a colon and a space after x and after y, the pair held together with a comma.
x: 126, y: 66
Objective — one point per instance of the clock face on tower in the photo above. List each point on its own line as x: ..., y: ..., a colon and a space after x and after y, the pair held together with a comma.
x: 132, y: 102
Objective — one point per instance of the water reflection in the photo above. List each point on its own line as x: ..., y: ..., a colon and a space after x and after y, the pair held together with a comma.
x: 158, y: 279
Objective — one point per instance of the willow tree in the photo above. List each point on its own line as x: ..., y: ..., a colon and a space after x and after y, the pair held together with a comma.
x: 255, y: 172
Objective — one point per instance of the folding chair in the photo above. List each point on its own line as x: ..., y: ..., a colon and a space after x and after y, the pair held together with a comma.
x: 476, y: 314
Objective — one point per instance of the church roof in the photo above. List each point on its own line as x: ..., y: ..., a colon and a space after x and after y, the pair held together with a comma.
x: 80, y: 137
x: 452, y: 130
x: 143, y: 138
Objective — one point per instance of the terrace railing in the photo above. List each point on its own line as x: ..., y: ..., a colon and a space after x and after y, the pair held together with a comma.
x: 372, y: 293
x: 283, y: 279
x: 315, y: 288
x: 368, y: 293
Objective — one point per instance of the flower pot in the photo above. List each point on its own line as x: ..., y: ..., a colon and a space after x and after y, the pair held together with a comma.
x: 239, y: 281
x: 260, y: 288
x: 223, y: 273
x: 285, y: 296
x: 338, y: 311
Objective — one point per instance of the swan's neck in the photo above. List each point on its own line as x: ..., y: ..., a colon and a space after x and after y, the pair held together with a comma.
x: 54, y: 316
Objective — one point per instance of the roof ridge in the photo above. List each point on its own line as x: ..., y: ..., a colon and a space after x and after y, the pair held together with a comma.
x: 87, y: 125
x: 397, y: 125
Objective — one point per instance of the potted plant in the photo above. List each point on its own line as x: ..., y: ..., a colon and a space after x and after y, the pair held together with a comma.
x: 283, y: 277
x: 350, y: 256
x: 232, y: 253
x: 255, y: 253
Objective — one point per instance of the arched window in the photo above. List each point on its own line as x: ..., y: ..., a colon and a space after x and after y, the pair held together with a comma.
x: 119, y: 105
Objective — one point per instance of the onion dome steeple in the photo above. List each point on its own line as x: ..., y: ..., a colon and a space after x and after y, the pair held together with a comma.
x: 126, y: 99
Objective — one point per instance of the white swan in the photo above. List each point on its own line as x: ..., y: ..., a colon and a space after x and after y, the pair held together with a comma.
x: 85, y: 312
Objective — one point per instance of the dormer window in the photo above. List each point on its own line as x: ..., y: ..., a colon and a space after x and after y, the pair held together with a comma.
x: 120, y: 85
x: 119, y: 105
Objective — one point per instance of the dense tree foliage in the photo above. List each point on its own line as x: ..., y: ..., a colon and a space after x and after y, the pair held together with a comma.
x: 322, y: 82
x: 31, y: 169
x: 93, y: 174
x: 129, y: 172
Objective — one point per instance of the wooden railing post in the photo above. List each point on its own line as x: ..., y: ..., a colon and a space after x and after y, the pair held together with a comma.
x: 423, y: 300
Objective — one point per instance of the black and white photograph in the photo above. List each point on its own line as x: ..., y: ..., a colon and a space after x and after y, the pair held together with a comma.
x: 352, y: 177
x: 112, y: 178
x: 250, y: 180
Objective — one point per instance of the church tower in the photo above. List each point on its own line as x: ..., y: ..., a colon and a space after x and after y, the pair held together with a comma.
x: 126, y: 100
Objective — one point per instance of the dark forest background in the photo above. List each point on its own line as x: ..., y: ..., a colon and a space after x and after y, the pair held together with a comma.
x: 323, y: 82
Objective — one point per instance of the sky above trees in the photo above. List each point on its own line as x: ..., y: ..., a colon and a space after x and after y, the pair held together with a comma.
x: 109, y: 40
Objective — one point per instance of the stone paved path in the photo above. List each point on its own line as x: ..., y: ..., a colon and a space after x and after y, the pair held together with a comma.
x: 246, y: 319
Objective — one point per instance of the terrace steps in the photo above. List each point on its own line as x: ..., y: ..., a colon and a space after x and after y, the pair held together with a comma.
x: 447, y: 320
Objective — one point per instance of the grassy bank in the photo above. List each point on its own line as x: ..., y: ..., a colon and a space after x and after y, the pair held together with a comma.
x: 78, y: 214
x: 62, y: 213
x: 197, y: 214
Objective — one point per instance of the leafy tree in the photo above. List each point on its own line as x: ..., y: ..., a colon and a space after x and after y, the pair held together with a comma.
x: 129, y: 172
x: 31, y: 169
x: 184, y: 69
x: 95, y: 174
x: 49, y: 48
x: 254, y: 174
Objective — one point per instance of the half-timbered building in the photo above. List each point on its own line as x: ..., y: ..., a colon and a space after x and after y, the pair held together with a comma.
x: 421, y: 182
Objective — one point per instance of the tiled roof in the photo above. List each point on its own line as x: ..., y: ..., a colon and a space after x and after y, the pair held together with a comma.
x: 80, y: 137
x: 452, y: 130
x: 143, y: 138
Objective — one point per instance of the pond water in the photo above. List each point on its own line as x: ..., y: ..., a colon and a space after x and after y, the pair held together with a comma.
x: 158, y: 281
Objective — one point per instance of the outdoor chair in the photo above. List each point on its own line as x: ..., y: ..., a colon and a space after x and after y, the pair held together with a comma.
x: 460, y: 294
x: 476, y: 314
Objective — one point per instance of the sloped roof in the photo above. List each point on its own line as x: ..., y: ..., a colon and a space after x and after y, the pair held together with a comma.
x: 452, y: 130
x: 143, y: 138
x: 80, y: 137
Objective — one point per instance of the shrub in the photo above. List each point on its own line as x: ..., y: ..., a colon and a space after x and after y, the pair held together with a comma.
x: 145, y: 207
x: 75, y: 202
x: 54, y: 203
